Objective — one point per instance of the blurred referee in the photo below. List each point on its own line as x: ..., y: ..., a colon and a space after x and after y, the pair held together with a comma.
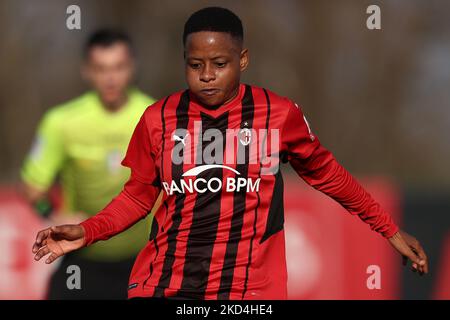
x: 82, y: 142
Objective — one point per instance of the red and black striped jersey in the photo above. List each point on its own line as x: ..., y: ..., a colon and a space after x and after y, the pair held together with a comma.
x: 219, y: 231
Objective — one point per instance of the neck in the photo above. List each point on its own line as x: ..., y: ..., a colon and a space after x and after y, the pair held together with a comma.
x: 114, y: 106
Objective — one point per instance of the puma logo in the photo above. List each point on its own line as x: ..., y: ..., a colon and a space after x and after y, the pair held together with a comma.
x: 178, y: 138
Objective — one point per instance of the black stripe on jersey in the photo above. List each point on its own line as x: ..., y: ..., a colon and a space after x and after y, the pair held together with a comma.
x: 154, y: 230
x: 177, y: 172
x: 275, y: 218
x: 237, y: 219
x: 206, y: 216
x: 155, y: 243
x: 257, y: 194
x: 153, y: 235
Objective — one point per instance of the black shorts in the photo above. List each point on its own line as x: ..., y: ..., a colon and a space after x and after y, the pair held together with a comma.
x: 99, y: 280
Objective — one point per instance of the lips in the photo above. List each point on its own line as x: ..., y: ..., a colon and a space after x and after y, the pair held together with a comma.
x: 209, y: 91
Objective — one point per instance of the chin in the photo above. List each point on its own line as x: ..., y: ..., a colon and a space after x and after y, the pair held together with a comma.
x: 111, y: 99
x: 212, y: 102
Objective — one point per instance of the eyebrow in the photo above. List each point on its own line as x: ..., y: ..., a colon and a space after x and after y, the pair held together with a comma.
x: 213, y: 58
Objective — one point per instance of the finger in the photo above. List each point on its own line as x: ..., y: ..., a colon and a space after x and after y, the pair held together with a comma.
x: 420, y: 263
x: 423, y: 257
x: 420, y: 269
x: 40, y: 238
x: 413, y: 257
x: 42, y: 235
x: 418, y: 251
x: 52, y: 258
x: 424, y: 268
x: 36, y: 247
x: 42, y: 252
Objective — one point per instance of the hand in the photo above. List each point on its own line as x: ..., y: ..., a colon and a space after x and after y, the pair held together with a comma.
x: 58, y: 241
x: 410, y: 249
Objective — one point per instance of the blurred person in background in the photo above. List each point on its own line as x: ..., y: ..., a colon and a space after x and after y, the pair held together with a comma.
x: 83, y: 141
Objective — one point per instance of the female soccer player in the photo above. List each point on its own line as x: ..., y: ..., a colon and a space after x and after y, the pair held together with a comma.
x: 214, y: 151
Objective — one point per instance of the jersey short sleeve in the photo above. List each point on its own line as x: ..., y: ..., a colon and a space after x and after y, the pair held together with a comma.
x: 139, y: 157
x: 46, y: 155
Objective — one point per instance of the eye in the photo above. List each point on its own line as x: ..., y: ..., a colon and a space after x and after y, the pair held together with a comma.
x: 221, y: 64
x: 194, y: 65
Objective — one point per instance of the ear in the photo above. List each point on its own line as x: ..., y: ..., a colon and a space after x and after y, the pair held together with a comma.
x: 244, y: 59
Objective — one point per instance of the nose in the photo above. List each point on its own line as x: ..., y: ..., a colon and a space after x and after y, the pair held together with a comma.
x: 207, y: 74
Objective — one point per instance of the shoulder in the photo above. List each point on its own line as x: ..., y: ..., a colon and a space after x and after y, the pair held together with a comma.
x: 277, y: 102
x: 141, y: 99
x: 155, y: 110
x: 60, y: 114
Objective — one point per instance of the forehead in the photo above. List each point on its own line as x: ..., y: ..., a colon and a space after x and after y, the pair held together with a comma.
x: 209, y: 43
x: 112, y: 52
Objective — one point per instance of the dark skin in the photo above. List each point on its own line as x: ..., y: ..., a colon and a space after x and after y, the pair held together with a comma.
x: 214, y: 62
